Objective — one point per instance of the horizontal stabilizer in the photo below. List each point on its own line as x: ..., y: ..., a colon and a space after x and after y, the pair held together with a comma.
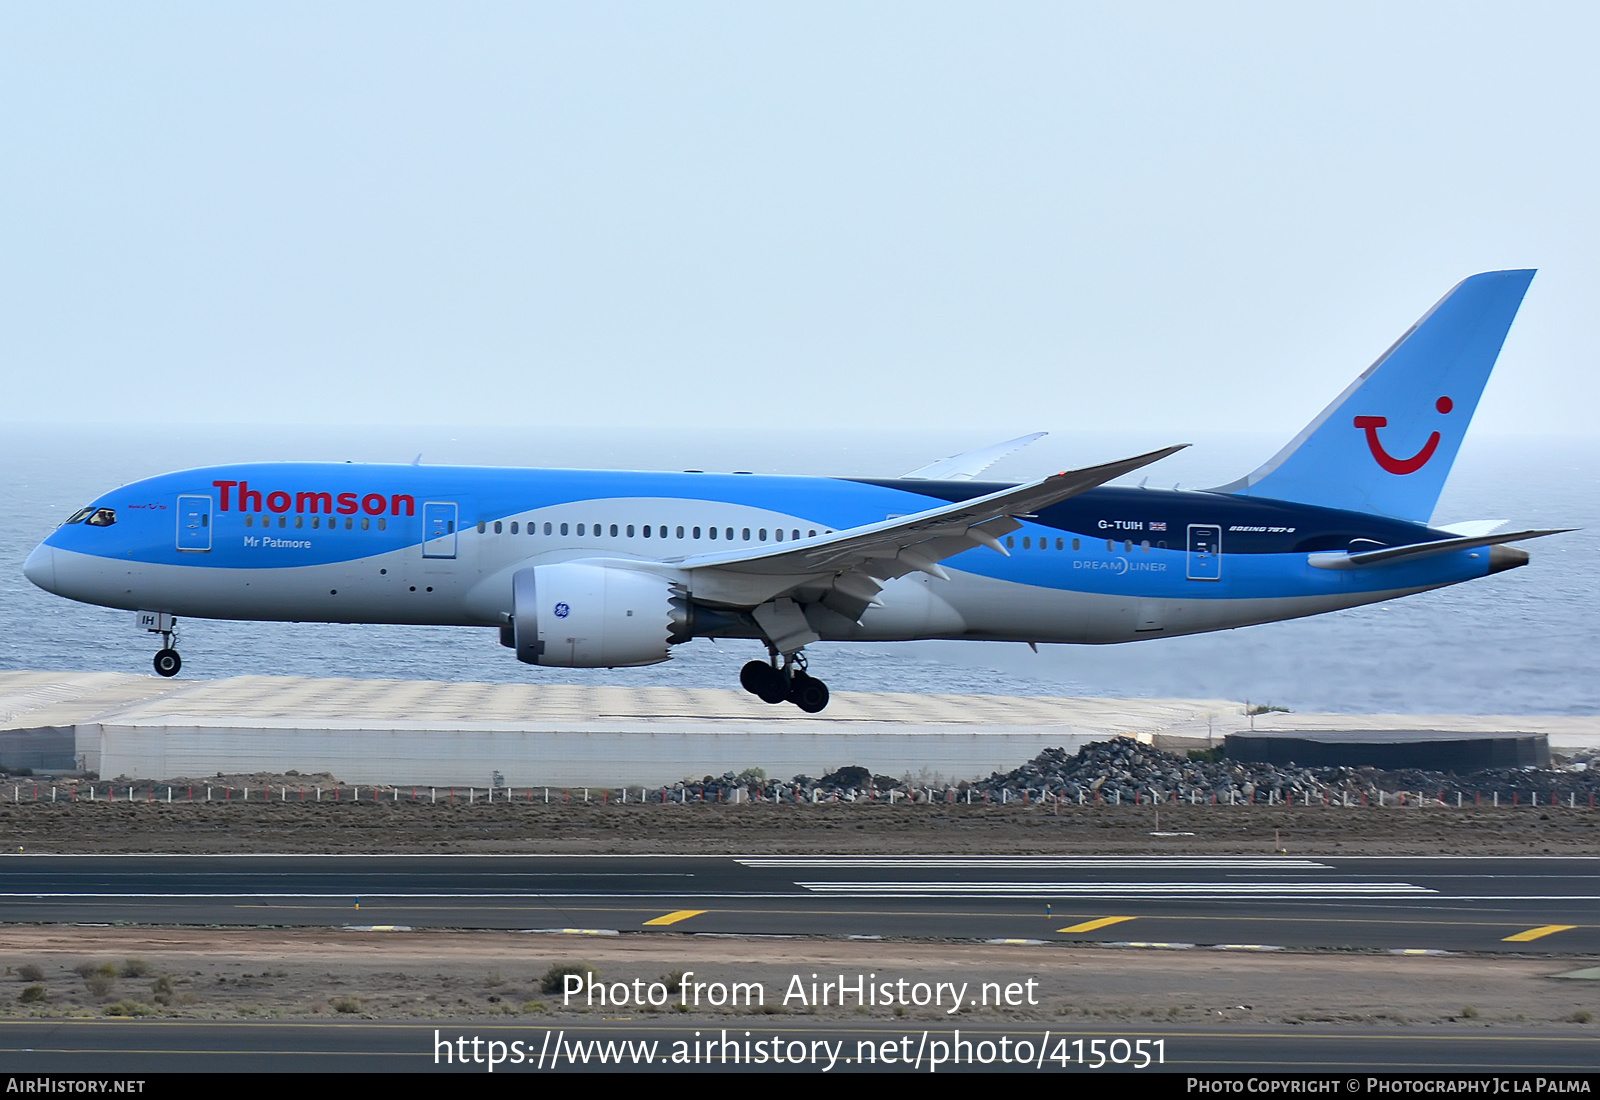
x: 1368, y: 558
x: 965, y: 467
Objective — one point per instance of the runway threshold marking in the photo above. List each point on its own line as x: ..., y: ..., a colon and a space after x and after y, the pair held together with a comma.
x: 1538, y: 933
x: 674, y: 917
x: 1098, y: 922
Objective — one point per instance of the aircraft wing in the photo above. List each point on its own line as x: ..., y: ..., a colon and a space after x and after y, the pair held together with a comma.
x: 1366, y: 558
x: 852, y: 562
x: 968, y: 465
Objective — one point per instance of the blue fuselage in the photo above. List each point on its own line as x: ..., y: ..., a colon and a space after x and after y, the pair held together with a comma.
x: 439, y: 545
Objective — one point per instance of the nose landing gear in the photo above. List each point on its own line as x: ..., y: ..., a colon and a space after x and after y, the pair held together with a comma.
x: 790, y: 683
x: 166, y: 662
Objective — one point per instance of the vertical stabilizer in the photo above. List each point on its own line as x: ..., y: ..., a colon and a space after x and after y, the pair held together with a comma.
x: 1387, y: 442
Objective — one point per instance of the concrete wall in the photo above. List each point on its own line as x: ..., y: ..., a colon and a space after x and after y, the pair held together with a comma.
x: 559, y: 755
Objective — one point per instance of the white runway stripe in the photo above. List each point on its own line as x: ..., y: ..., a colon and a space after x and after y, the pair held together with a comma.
x: 1029, y: 863
x: 1328, y: 890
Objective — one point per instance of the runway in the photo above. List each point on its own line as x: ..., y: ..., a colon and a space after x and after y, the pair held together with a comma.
x: 1543, y: 905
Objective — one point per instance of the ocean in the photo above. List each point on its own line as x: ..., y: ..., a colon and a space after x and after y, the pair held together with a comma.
x: 1522, y: 642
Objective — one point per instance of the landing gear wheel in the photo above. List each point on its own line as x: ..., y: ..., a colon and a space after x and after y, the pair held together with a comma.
x: 753, y: 675
x: 808, y: 693
x: 168, y: 662
x: 764, y: 682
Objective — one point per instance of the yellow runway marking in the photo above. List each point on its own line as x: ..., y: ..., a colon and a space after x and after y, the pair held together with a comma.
x: 675, y: 917
x: 1091, y: 925
x: 1537, y: 933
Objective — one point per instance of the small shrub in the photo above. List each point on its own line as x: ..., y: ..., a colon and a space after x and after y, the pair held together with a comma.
x: 555, y: 978
x: 32, y: 994
x: 1582, y: 1016
x: 100, y: 985
x: 106, y: 970
x: 162, y: 984
x: 346, y: 1004
x: 30, y: 973
x: 534, y: 1007
x: 83, y: 969
x: 135, y: 968
x: 129, y: 1008
x: 1469, y: 1012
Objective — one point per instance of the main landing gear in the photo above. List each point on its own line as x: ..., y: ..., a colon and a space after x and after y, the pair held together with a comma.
x: 788, y: 684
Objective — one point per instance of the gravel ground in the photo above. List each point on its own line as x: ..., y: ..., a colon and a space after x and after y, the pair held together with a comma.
x: 266, y: 973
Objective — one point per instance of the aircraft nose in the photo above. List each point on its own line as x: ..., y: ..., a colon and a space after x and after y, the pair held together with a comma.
x: 40, y: 568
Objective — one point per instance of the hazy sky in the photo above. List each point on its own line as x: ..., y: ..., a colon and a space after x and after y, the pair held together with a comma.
x: 1173, y: 217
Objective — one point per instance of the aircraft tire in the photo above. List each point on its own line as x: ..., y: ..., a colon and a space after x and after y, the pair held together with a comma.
x: 753, y: 675
x: 167, y: 662
x: 808, y: 693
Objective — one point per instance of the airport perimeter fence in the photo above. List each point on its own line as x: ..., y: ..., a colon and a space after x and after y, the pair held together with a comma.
x: 165, y: 793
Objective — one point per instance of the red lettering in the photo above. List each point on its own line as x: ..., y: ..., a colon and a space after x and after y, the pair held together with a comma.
x: 373, y: 504
x: 245, y: 494
x: 318, y: 501
x: 347, y: 504
x: 225, y: 486
x: 278, y: 501
x: 410, y: 503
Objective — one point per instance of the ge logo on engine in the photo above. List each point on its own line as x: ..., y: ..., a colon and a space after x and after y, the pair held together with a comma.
x: 562, y: 611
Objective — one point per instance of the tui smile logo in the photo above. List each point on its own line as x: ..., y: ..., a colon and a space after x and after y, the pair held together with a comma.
x: 1371, y: 424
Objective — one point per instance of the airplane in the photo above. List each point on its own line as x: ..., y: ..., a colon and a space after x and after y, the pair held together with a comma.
x: 602, y: 568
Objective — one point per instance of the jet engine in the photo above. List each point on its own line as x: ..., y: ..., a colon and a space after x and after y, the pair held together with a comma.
x: 585, y: 614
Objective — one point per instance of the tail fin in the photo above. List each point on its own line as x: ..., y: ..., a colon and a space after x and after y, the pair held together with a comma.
x: 1386, y: 443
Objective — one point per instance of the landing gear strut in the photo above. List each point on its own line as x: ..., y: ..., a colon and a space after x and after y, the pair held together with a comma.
x: 790, y: 683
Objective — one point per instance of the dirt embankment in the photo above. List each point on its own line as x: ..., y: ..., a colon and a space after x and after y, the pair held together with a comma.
x: 866, y: 828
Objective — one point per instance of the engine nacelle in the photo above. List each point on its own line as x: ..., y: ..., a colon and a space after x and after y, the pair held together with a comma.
x: 579, y: 614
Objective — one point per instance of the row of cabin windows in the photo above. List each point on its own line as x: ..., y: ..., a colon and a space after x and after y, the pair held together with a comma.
x: 649, y: 531
x: 316, y: 522
x: 1077, y: 544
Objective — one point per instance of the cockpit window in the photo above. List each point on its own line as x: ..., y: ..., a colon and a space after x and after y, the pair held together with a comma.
x: 101, y: 517
x: 79, y: 516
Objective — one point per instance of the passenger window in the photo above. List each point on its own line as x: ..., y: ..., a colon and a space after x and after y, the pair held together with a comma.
x: 680, y: 532
x: 580, y: 529
x: 811, y: 534
x: 383, y: 525
x: 283, y: 521
x: 1027, y: 543
x: 713, y: 532
x: 1011, y: 543
x: 316, y: 523
x: 646, y: 530
x: 1110, y: 545
x: 249, y: 520
x: 1145, y: 546
x: 614, y: 531
x: 728, y: 534
x: 1077, y: 544
x: 762, y: 533
x: 1060, y: 544
x: 497, y: 527
x: 349, y: 525
x: 794, y: 534
x: 366, y: 524
x: 514, y: 527
x: 1127, y: 546
x: 778, y: 534
x: 630, y: 530
x: 1161, y: 546
x: 747, y: 534
x: 697, y: 532
x: 299, y: 522
x: 563, y: 528
x: 663, y: 532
